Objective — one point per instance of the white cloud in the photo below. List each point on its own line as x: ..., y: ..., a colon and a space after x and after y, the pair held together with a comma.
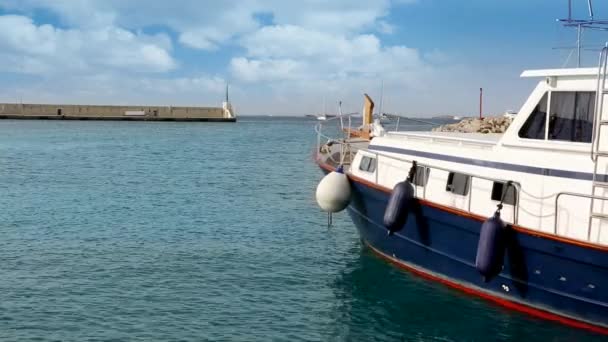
x: 208, y: 24
x: 290, y: 40
x: 292, y: 52
x: 203, y: 38
x: 299, y: 66
x: 118, y: 88
x: 257, y: 70
x: 102, y: 51
x: 29, y: 48
x: 385, y: 27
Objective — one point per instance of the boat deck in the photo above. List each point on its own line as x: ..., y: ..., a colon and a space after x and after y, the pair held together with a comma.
x: 331, y: 152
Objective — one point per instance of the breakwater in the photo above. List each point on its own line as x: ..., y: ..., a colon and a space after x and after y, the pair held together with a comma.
x: 106, y: 112
x: 497, y: 124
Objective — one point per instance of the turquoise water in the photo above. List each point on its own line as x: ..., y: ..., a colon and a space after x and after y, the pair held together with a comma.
x: 127, y: 231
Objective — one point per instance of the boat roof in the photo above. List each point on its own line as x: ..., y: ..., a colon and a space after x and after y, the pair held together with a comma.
x: 480, y: 138
x: 560, y: 72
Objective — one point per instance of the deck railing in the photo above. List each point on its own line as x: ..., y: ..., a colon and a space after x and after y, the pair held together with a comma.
x: 574, y: 194
x: 322, y: 127
x: 343, y: 124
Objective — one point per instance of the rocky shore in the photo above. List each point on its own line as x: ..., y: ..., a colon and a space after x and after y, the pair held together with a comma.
x: 497, y: 124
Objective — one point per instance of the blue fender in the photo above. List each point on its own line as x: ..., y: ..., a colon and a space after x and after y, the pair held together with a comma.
x: 398, y: 206
x: 491, y: 247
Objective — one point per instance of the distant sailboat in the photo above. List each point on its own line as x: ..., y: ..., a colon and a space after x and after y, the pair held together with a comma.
x: 322, y: 117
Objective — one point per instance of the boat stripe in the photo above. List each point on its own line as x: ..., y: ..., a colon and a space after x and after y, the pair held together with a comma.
x: 492, y: 164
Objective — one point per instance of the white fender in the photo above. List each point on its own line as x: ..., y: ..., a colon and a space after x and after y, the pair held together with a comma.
x: 333, y: 192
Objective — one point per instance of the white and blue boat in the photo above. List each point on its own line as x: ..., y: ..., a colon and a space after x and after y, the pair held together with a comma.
x: 519, y: 218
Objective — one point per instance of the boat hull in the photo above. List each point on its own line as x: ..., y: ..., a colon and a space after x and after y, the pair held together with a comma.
x: 547, y: 278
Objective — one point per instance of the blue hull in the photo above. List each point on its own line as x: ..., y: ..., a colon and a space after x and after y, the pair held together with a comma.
x: 545, y: 277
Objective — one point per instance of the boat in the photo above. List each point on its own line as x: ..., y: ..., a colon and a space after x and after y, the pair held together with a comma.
x: 323, y: 116
x: 510, y: 114
x: 519, y: 218
x: 320, y: 117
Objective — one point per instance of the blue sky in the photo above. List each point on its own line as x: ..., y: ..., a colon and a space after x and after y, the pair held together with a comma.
x: 281, y: 57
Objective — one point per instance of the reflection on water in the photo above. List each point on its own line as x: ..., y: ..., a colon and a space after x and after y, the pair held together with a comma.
x: 380, y: 302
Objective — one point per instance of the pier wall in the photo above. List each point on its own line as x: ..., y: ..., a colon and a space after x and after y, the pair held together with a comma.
x: 100, y: 112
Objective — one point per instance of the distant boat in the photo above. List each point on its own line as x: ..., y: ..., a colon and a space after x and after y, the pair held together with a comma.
x: 324, y: 116
x: 320, y: 117
x: 448, y: 117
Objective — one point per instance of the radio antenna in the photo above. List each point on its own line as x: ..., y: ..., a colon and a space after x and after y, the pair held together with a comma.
x: 581, y: 25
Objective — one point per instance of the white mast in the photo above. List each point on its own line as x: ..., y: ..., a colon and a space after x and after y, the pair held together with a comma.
x: 381, y: 97
x: 227, y: 107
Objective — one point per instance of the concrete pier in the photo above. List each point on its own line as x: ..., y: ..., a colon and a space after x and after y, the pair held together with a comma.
x: 103, y: 112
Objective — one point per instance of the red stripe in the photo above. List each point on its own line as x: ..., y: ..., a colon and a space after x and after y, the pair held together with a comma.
x: 503, y: 302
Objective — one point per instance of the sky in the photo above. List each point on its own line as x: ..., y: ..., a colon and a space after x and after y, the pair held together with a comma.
x: 426, y: 57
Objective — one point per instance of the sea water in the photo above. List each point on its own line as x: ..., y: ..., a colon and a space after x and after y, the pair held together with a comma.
x: 136, y: 231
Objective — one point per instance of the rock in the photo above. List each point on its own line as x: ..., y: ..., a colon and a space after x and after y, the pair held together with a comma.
x: 497, y: 124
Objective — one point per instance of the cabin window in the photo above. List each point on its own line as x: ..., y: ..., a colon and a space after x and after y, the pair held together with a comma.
x: 421, y: 176
x: 534, y: 127
x: 571, y: 116
x: 501, y: 190
x: 458, y: 183
x: 368, y: 164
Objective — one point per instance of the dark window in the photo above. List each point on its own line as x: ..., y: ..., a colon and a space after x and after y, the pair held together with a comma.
x: 534, y: 127
x: 367, y: 164
x: 571, y: 116
x: 421, y: 176
x: 372, y: 165
x: 458, y: 183
x: 501, y: 189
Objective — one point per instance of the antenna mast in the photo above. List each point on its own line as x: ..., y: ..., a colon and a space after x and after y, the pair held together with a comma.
x: 582, y: 24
